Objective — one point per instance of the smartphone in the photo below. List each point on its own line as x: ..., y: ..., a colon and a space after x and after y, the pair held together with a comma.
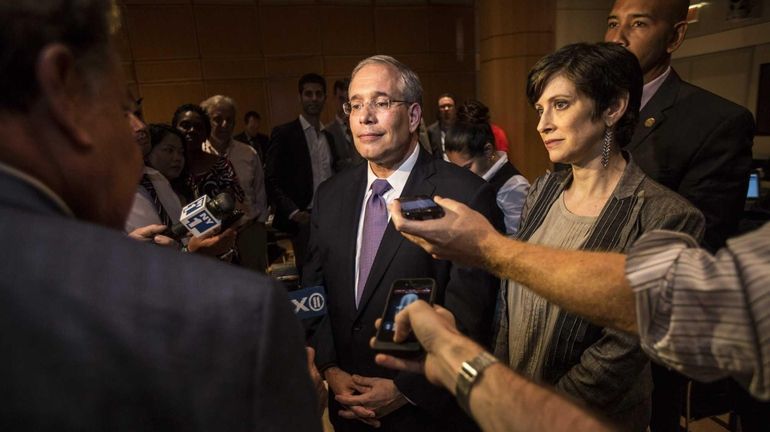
x: 402, y: 293
x: 420, y: 207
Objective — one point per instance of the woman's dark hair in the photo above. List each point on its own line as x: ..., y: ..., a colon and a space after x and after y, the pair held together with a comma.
x: 196, y: 109
x: 471, y: 131
x: 603, y: 72
x: 159, y: 131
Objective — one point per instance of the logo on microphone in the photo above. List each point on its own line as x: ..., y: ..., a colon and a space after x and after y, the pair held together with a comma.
x: 308, y: 302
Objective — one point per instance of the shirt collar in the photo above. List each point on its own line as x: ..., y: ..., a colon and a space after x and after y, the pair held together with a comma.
x: 40, y: 186
x: 306, y: 124
x: 649, y: 89
x: 503, y: 159
x: 398, y: 178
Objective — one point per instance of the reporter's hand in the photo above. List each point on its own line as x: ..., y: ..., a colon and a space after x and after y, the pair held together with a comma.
x: 435, y: 328
x: 151, y: 233
x: 213, y: 245
x: 457, y: 236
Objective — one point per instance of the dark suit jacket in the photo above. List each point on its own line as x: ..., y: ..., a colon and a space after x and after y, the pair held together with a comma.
x: 343, y: 337
x: 434, y: 135
x: 289, y: 173
x: 101, y: 332
x: 699, y: 145
x: 347, y: 155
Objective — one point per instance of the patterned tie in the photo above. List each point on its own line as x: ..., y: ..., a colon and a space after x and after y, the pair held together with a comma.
x: 375, y: 222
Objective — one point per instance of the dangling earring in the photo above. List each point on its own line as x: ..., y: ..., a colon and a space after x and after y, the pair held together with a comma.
x: 608, y: 138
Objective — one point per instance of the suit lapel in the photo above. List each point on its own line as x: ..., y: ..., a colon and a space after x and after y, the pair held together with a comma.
x: 653, y: 114
x: 418, y: 184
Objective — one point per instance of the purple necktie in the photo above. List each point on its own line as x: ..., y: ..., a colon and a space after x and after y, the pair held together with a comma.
x: 375, y: 222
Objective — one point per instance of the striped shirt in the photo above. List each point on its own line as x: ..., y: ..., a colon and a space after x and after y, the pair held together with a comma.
x: 705, y: 316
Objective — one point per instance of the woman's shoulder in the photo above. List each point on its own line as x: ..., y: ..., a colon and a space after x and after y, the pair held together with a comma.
x: 666, y: 209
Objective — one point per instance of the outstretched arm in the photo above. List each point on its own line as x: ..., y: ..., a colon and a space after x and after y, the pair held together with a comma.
x: 590, y: 284
x: 501, y: 400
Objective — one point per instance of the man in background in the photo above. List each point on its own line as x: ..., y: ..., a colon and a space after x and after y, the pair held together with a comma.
x: 300, y: 157
x: 252, y: 136
x: 688, y: 139
x: 447, y: 114
x: 252, y: 237
x: 347, y: 155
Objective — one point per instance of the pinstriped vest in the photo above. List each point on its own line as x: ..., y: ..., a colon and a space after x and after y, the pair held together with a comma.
x: 573, y: 334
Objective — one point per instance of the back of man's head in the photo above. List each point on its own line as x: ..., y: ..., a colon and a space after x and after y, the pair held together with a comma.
x: 26, y: 26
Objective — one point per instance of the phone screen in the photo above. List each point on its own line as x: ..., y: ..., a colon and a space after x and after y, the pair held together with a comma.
x: 420, y: 203
x: 403, y: 293
x: 420, y: 207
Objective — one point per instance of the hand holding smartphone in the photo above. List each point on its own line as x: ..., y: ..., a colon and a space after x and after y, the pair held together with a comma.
x: 403, y: 292
x: 420, y: 207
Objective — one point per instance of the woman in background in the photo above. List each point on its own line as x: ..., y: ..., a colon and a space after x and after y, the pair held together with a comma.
x: 470, y: 143
x: 206, y: 173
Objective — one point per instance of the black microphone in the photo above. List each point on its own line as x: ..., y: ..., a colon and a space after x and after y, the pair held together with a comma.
x: 219, y: 211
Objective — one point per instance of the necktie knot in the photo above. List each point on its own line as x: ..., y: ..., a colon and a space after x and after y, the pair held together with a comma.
x: 380, y: 186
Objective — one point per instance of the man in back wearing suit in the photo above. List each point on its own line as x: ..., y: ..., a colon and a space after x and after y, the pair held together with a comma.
x: 447, y: 114
x: 688, y: 139
x: 300, y: 156
x: 252, y: 136
x: 98, y: 331
x: 347, y: 155
x: 356, y: 254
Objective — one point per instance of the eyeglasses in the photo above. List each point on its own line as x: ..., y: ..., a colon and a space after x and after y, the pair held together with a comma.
x: 379, y: 105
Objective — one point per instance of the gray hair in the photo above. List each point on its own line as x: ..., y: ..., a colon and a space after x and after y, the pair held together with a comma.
x: 219, y: 101
x: 28, y: 26
x: 410, y: 82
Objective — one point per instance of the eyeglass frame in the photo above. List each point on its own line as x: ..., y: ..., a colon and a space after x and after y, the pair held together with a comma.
x: 347, y: 108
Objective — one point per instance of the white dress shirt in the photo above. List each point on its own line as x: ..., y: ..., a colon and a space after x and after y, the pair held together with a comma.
x: 649, y: 89
x: 143, y: 212
x: 397, y: 182
x: 320, y: 155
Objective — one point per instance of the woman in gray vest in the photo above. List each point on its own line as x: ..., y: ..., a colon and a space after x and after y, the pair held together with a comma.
x: 587, y: 97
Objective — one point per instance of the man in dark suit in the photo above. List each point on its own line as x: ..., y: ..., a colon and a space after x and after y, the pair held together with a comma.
x: 688, y: 139
x: 357, y: 264
x: 252, y: 136
x: 300, y: 156
x: 347, y: 155
x: 98, y: 331
x: 447, y: 114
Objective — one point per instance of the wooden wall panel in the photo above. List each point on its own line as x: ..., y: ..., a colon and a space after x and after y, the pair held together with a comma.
x: 227, y: 31
x: 161, y: 32
x: 249, y: 94
x: 290, y: 30
x: 406, y: 29
x: 284, y: 100
x: 160, y: 100
x: 174, y: 70
x: 177, y: 51
x: 234, y: 68
x: 342, y: 32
